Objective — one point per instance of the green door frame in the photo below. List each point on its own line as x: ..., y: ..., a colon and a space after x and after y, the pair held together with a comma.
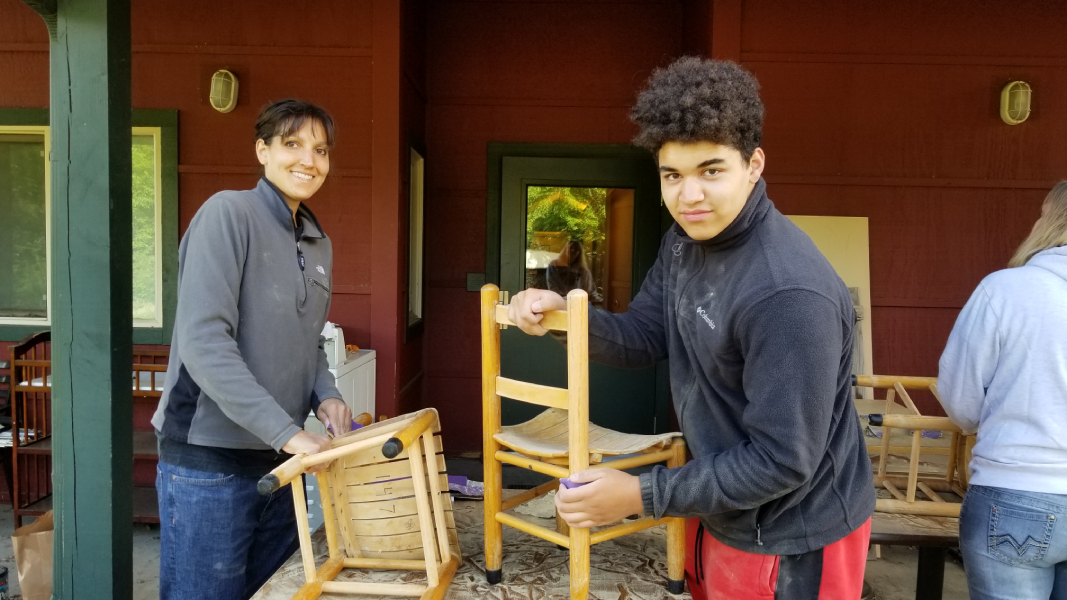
x: 499, y: 150
x: 585, y: 165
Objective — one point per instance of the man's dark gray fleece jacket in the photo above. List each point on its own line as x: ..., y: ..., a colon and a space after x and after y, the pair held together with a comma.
x: 246, y: 361
x: 758, y: 328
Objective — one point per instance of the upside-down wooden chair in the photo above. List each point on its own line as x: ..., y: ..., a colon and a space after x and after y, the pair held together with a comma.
x: 905, y: 486
x: 386, y: 505
x: 558, y: 442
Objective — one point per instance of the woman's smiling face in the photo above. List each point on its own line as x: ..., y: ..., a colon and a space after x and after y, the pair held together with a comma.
x: 297, y: 163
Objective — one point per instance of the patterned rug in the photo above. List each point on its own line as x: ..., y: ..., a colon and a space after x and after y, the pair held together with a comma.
x: 632, y: 567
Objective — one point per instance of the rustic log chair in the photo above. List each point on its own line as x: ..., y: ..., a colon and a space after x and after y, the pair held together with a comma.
x: 558, y: 442
x: 386, y: 506
x: 906, y: 416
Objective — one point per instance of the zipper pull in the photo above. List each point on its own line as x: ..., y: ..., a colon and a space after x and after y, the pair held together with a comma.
x: 300, y: 256
x: 758, y: 541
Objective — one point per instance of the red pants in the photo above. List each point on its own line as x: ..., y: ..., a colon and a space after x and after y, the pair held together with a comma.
x: 831, y: 573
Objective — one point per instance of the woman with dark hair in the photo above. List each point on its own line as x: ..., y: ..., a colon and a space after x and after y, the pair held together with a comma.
x: 1004, y: 375
x: 246, y: 366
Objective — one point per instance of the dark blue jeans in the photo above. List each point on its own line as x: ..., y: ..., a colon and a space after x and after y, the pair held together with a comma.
x: 1011, y: 547
x: 219, y: 539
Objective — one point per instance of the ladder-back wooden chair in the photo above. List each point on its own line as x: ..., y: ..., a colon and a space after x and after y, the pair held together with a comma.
x: 905, y: 486
x: 386, y: 506
x: 558, y: 442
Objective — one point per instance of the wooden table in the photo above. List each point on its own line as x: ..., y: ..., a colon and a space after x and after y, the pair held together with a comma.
x: 932, y: 535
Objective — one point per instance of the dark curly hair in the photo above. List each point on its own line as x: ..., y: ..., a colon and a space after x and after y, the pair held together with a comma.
x: 699, y: 100
x: 286, y: 117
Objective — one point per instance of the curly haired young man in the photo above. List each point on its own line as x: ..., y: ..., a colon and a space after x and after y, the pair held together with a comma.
x: 758, y: 328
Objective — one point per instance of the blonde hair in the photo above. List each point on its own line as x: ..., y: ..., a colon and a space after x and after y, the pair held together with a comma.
x: 1050, y: 231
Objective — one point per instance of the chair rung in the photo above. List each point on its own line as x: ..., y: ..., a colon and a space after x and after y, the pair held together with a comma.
x: 535, y: 530
x: 532, y: 464
x: 532, y: 393
x: 887, y: 381
x: 637, y: 460
x: 555, y: 320
x: 622, y: 529
x: 528, y: 495
x: 377, y: 589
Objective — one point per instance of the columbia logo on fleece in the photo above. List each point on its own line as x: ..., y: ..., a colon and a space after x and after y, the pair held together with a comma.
x: 704, y: 315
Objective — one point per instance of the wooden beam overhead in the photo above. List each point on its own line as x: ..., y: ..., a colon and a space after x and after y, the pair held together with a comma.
x: 91, y: 275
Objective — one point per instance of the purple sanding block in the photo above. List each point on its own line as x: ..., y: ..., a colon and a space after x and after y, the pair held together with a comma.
x: 355, y: 426
x: 567, y: 483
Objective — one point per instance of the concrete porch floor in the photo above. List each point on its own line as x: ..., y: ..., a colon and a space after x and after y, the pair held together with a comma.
x: 892, y: 577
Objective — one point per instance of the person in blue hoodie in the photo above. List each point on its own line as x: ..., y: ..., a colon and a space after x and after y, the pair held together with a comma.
x: 758, y: 329
x: 1004, y: 375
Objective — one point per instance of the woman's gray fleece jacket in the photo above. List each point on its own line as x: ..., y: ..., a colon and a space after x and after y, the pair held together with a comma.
x: 758, y: 329
x: 246, y: 361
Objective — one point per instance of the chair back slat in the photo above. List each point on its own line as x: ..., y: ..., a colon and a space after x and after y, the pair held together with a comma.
x: 555, y: 320
x: 532, y: 393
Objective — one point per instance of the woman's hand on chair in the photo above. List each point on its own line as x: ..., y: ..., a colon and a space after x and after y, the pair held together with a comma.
x: 608, y: 496
x: 527, y: 307
x: 305, y: 442
x: 335, y: 416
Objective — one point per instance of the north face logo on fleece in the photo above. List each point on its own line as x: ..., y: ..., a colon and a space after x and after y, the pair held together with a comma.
x: 704, y: 315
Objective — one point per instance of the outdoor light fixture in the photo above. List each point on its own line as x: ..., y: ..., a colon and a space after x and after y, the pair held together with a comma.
x: 223, y: 93
x: 1015, y: 102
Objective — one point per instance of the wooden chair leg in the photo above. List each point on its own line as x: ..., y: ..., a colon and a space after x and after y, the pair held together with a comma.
x: 306, y: 552
x: 561, y: 525
x: 579, y: 567
x: 676, y: 555
x: 494, y: 551
x: 676, y: 532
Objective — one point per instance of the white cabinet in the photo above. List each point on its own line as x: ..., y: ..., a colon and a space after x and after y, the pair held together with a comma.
x: 355, y: 380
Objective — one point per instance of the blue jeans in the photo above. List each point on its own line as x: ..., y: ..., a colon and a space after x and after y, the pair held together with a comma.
x: 1011, y: 549
x: 219, y: 539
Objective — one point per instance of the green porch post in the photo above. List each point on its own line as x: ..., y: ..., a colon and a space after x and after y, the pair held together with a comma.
x: 91, y: 297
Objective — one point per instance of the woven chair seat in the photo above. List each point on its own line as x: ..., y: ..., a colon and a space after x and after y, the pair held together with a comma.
x: 545, y: 436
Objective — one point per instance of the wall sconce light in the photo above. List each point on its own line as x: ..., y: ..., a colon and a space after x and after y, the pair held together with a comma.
x: 1015, y: 102
x: 223, y: 93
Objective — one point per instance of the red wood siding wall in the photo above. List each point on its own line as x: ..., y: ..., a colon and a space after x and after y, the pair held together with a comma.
x: 412, y: 132
x: 891, y: 112
x: 334, y: 59
x: 883, y: 112
x: 513, y: 72
x: 887, y: 112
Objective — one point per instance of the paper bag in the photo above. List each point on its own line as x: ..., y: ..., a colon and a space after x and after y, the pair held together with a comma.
x: 33, y: 557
